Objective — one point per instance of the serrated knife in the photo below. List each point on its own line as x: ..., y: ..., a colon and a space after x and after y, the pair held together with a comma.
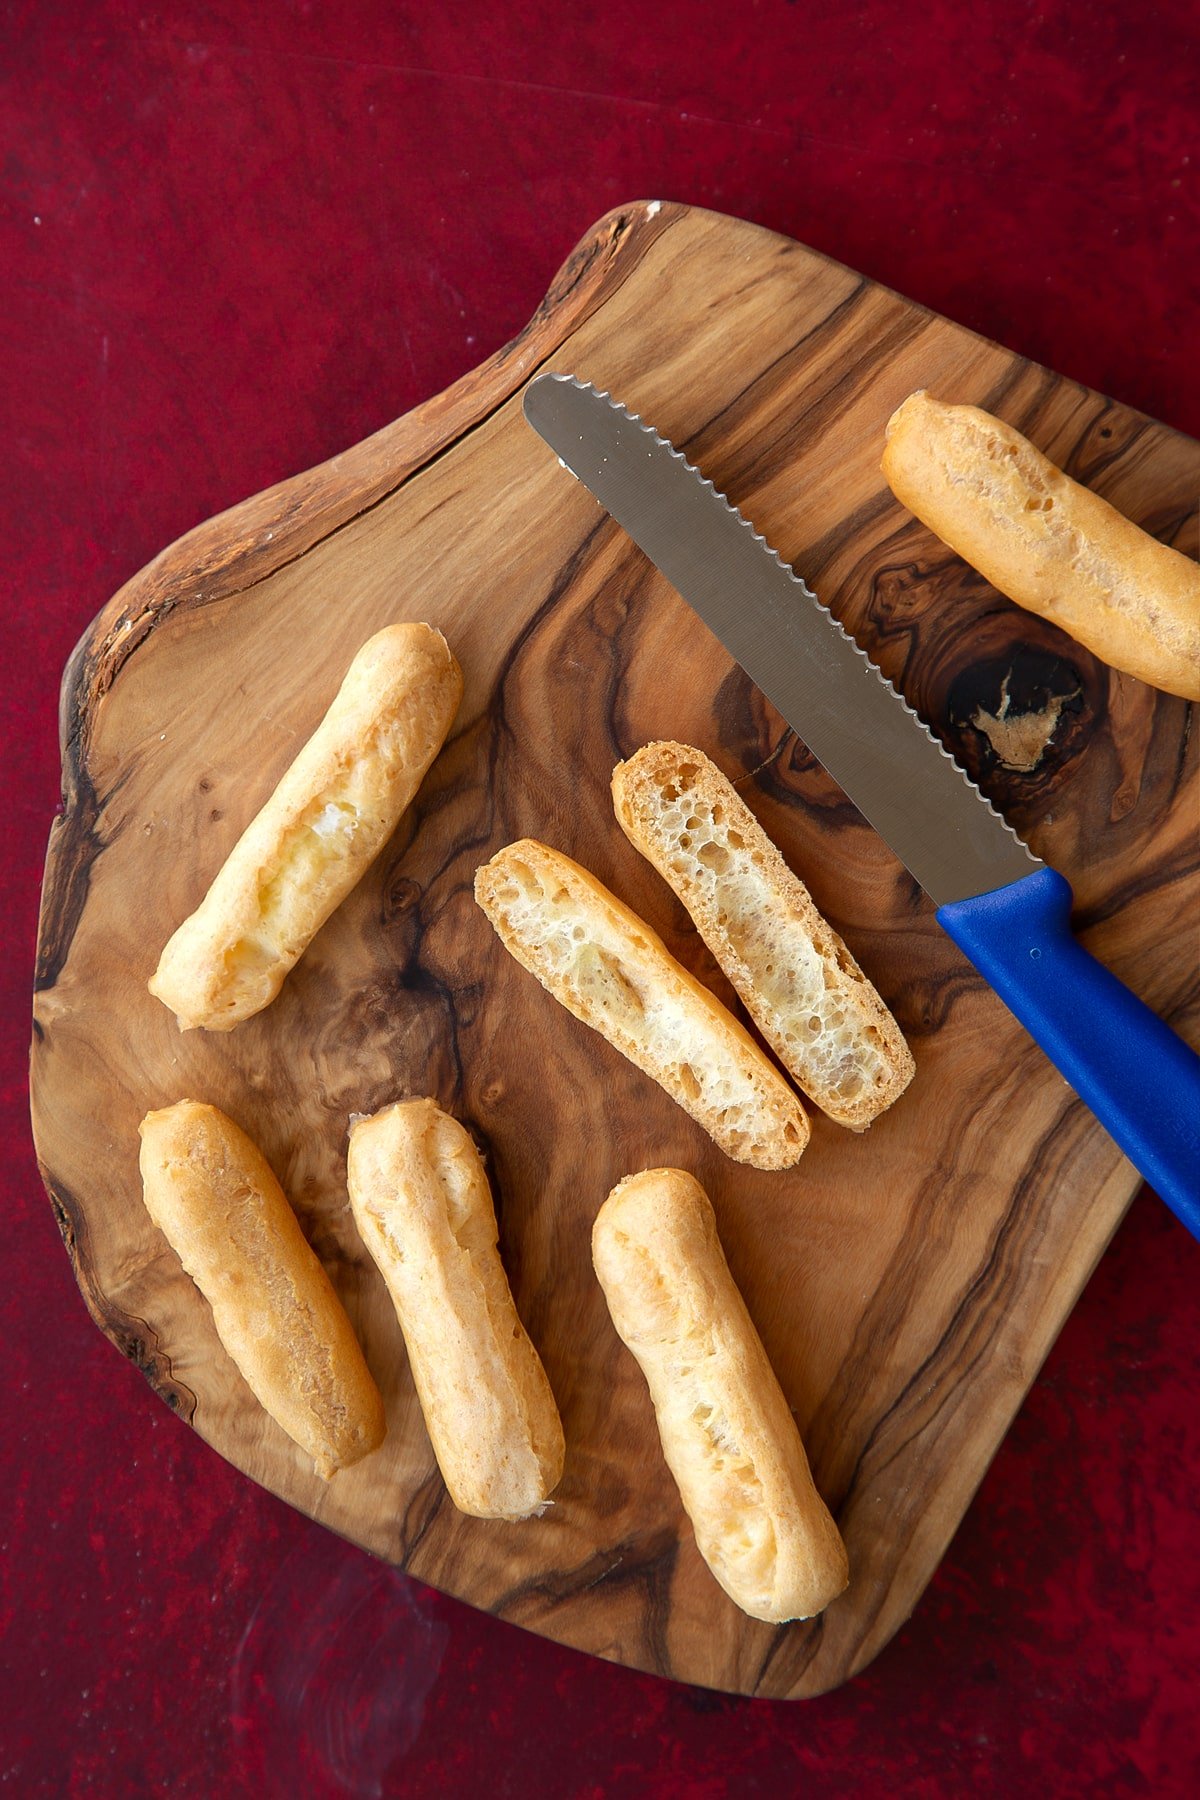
x: 1008, y: 912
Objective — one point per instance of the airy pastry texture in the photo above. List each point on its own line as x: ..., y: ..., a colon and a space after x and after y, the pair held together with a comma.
x: 608, y: 968
x: 213, y: 1196
x: 424, y: 1211
x: 727, y: 1433
x: 1054, y: 547
x: 798, y: 981
x: 327, y: 820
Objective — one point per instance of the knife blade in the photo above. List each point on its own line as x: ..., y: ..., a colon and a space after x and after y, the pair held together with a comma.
x: 1008, y: 912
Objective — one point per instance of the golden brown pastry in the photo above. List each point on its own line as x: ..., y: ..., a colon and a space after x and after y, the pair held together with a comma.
x: 424, y: 1211
x: 327, y: 820
x: 727, y: 1434
x: 1054, y: 547
x: 606, y: 966
x: 796, y: 978
x: 213, y: 1196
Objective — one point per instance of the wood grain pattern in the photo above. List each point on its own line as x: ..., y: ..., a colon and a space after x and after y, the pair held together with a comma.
x: 907, y: 1283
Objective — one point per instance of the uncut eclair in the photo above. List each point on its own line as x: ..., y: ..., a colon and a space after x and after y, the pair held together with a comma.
x: 323, y: 826
x: 214, y: 1197
x: 424, y: 1210
x: 795, y: 976
x: 727, y: 1432
x: 606, y: 966
x: 1054, y: 547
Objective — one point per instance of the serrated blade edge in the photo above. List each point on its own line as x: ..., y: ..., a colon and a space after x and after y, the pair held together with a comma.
x: 877, y: 748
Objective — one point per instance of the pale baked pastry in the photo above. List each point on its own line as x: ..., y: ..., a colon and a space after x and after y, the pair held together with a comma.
x: 606, y: 966
x: 424, y: 1210
x: 727, y: 1433
x: 323, y: 826
x: 796, y: 978
x: 213, y: 1196
x: 1054, y: 547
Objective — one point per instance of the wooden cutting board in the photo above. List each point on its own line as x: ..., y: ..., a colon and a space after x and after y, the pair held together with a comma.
x: 907, y: 1283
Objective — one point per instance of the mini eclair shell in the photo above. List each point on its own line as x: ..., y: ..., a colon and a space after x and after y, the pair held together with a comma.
x: 1053, y: 546
x: 796, y: 978
x: 424, y: 1210
x: 323, y: 826
x: 727, y: 1433
x: 215, y: 1199
x: 606, y: 966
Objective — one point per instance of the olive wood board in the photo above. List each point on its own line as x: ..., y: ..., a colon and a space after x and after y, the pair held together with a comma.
x: 908, y: 1282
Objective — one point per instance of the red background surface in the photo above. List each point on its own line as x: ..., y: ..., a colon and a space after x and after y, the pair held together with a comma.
x: 235, y: 241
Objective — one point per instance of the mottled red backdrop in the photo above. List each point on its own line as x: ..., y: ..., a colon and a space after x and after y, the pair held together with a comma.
x: 233, y: 241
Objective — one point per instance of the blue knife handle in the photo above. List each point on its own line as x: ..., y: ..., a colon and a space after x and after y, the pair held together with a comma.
x: 1141, y: 1081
